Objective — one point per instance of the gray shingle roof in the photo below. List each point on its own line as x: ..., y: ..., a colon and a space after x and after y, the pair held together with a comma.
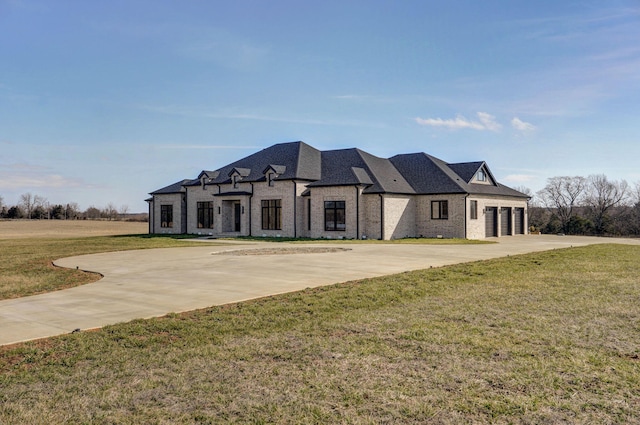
x: 337, y: 170
x: 430, y: 175
x: 427, y: 174
x: 299, y: 161
x: 176, y: 187
x: 416, y: 173
x: 466, y: 170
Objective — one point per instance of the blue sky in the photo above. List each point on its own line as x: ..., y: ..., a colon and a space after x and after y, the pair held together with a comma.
x: 104, y: 101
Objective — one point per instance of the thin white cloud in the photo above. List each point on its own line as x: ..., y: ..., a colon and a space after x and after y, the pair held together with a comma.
x: 485, y: 122
x: 518, y: 178
x: 489, y: 121
x: 178, y: 146
x: 520, y: 125
x: 176, y: 110
x: 10, y: 181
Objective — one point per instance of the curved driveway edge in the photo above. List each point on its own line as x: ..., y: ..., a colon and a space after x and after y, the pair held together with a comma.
x: 151, y: 283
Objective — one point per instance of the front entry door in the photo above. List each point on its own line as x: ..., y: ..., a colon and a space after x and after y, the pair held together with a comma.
x: 236, y: 217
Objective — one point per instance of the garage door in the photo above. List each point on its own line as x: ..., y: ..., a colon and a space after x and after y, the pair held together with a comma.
x: 491, y: 222
x: 518, y: 221
x: 505, y: 222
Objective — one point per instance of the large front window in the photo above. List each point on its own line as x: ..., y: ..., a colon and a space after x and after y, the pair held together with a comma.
x: 271, y: 214
x: 166, y: 215
x: 334, y: 215
x: 439, y: 210
x: 205, y: 215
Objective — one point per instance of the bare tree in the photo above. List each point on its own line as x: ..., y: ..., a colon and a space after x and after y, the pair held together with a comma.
x: 635, y: 194
x: 72, y: 211
x: 32, y: 202
x: 124, y: 210
x: 525, y: 190
x: 26, y: 201
x: 561, y: 195
x: 92, y: 213
x: 602, y: 195
x: 110, y: 211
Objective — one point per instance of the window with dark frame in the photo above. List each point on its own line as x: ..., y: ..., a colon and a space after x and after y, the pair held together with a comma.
x: 166, y: 216
x: 308, y: 214
x: 205, y: 215
x: 439, y: 210
x: 473, y: 206
x: 271, y: 214
x: 334, y: 215
x: 235, y: 181
x: 270, y: 177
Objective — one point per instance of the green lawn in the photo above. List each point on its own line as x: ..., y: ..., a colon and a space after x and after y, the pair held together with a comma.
x: 541, y: 338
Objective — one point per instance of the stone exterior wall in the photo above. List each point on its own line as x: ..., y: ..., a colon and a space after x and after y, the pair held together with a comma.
x: 282, y: 190
x: 404, y: 215
x: 177, y: 201
x: 194, y: 195
x: 351, y: 196
x: 371, y: 223
x: 476, y: 229
x: 452, y: 227
x: 399, y: 216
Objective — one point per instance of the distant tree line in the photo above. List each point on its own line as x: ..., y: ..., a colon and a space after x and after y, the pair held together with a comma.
x: 591, y: 205
x: 37, y: 207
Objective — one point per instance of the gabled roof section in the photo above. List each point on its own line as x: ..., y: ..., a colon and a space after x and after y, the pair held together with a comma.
x: 176, y: 187
x: 338, y: 170
x: 208, y: 177
x: 242, y: 172
x: 361, y: 176
x: 278, y: 169
x: 208, y: 174
x: 430, y: 175
x: 300, y: 161
x: 427, y: 174
x: 466, y: 170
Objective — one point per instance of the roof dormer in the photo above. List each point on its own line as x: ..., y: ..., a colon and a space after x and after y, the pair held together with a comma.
x: 483, y: 176
x: 237, y: 174
x: 272, y: 172
x: 206, y: 177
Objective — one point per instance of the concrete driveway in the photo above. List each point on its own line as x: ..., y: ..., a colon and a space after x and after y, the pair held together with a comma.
x: 150, y: 283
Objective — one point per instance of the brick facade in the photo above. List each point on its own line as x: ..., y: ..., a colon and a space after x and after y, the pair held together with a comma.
x: 340, y: 194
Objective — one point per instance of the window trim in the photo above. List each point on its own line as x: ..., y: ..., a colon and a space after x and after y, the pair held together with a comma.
x: 473, y: 209
x: 204, y: 214
x: 166, y: 216
x: 481, y: 175
x: 440, y: 210
x: 271, y: 214
x: 335, y: 208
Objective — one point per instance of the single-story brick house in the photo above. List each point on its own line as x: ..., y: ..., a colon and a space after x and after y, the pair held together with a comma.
x: 295, y: 190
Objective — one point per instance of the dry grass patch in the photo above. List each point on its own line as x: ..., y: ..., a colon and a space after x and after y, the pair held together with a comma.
x: 19, y: 229
x: 26, y: 264
x: 541, y: 338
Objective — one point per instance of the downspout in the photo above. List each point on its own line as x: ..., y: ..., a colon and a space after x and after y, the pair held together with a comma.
x: 183, y: 223
x: 381, y: 216
x: 151, y: 215
x: 357, y: 212
x: 465, y: 215
x: 295, y: 210
x: 250, y: 198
